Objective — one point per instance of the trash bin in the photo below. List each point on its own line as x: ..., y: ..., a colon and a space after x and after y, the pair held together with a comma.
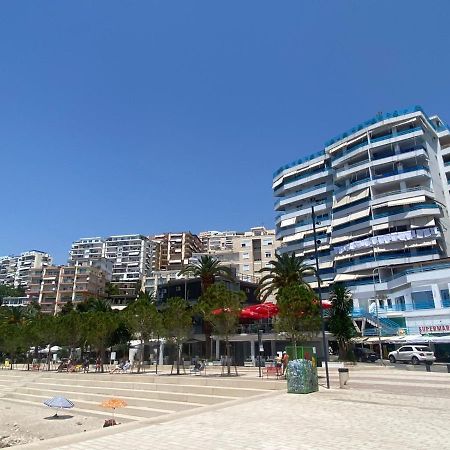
x: 343, y: 377
x: 302, y: 377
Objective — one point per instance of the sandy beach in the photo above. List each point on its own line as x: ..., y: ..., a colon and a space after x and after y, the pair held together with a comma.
x: 22, y: 423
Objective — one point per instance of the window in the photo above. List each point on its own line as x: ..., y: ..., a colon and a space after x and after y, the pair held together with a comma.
x: 266, y: 242
x: 423, y: 300
x: 405, y: 349
x: 400, y: 303
x: 245, y: 244
x: 268, y: 254
x: 245, y: 256
x: 245, y: 267
x: 445, y: 298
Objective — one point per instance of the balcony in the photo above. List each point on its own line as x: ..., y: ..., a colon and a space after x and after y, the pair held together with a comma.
x: 298, y: 162
x: 401, y: 210
x: 385, y: 256
x: 401, y: 191
x: 301, y: 194
x: 392, y: 136
x: 289, y: 183
x: 392, y: 173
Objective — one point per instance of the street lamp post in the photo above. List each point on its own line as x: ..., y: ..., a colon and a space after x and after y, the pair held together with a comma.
x: 259, y: 352
x: 325, y: 349
x: 378, y: 315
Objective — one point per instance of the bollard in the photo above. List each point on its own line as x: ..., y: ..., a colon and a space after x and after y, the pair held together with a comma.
x: 343, y: 377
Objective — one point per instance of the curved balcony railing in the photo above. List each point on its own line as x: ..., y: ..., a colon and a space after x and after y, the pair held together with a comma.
x: 401, y: 209
x: 384, y: 256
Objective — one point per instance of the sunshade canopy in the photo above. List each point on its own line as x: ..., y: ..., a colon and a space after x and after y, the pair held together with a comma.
x: 59, y: 402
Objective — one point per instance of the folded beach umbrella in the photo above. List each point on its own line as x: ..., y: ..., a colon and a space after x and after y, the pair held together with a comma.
x: 59, y: 402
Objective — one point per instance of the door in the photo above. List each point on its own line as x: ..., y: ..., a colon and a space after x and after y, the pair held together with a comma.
x: 405, y: 353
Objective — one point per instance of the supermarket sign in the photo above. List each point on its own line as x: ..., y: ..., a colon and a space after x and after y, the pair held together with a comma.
x: 434, y: 329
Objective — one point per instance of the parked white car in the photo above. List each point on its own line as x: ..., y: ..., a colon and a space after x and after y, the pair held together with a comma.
x: 415, y: 354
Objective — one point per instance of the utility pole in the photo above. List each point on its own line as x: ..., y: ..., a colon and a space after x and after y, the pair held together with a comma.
x: 325, y: 349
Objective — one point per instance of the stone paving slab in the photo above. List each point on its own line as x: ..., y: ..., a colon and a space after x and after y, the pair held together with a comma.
x: 367, y: 415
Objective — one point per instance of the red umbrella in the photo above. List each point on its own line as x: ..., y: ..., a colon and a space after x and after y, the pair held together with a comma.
x: 260, y: 311
x: 220, y: 311
x: 326, y: 304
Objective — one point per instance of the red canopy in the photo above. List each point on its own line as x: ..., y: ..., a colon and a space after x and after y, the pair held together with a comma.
x: 263, y: 310
x: 260, y: 311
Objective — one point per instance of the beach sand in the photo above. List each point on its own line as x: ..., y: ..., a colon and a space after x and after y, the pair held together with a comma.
x: 22, y: 423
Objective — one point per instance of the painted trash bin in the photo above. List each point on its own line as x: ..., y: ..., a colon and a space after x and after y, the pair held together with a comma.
x: 302, y: 377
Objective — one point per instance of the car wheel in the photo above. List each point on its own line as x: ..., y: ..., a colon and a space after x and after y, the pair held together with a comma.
x: 392, y: 359
x: 415, y: 360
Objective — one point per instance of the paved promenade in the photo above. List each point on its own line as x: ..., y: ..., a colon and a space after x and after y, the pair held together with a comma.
x: 381, y: 409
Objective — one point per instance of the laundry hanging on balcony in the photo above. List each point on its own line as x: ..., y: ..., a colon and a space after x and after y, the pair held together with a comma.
x: 383, y: 239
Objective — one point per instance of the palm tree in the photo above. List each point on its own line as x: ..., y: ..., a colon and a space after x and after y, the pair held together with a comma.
x: 207, y: 269
x: 287, y: 269
x: 340, y: 322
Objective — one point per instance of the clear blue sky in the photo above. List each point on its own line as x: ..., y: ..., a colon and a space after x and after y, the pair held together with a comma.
x: 150, y: 116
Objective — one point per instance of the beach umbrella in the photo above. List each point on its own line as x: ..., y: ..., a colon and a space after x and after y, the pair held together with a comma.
x: 114, y: 403
x: 59, y: 402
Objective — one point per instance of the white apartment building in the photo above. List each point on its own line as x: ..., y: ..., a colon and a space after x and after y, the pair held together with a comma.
x: 381, y: 196
x: 15, y: 270
x: 8, y: 268
x: 131, y: 256
x: 87, y: 249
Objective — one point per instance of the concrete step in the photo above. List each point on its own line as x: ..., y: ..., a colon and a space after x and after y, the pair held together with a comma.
x: 78, y: 411
x: 137, y: 411
x: 244, y: 382
x: 141, y: 392
x: 161, y: 385
x: 131, y: 397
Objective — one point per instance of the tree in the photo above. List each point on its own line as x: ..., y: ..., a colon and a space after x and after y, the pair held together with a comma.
x: 72, y: 330
x: 299, y: 313
x: 93, y: 304
x: 67, y: 308
x: 340, y: 322
x: 285, y: 270
x: 221, y: 308
x: 177, y: 323
x: 111, y: 290
x: 207, y: 269
x: 143, y: 321
x: 12, y: 330
x: 99, y: 327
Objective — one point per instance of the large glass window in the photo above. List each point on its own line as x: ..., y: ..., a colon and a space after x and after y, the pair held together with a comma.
x: 400, y: 303
x: 423, y: 300
x: 445, y: 298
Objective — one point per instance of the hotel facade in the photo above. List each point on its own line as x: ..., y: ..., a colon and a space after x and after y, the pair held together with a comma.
x: 380, y: 194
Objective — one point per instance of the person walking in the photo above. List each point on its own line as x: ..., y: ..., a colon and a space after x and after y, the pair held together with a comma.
x: 284, y: 361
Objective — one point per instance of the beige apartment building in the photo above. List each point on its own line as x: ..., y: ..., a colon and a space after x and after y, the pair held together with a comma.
x: 175, y: 249
x: 53, y: 286
x: 246, y: 252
